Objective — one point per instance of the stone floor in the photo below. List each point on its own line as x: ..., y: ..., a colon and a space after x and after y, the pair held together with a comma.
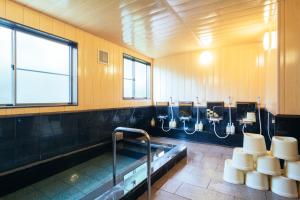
x: 199, y: 176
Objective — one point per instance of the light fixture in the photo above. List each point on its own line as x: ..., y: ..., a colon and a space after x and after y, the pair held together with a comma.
x: 270, y: 40
x: 266, y: 40
x: 205, y: 58
x: 273, y: 39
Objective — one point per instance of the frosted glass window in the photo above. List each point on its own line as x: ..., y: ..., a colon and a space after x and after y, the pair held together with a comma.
x: 136, y: 78
x: 36, y: 67
x: 36, y: 87
x: 140, y: 80
x: 128, y: 92
x: 43, y: 70
x: 128, y: 69
x: 39, y: 54
x: 6, y: 72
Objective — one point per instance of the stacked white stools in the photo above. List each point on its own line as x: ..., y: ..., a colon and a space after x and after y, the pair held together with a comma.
x: 253, y: 165
x: 286, y: 148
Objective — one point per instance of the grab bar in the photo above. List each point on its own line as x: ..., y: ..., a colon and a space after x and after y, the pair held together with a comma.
x: 144, y: 133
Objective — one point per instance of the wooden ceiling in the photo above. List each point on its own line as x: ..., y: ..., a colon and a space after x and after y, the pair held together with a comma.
x: 163, y: 27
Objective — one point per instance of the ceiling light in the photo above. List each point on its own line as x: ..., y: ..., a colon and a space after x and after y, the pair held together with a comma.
x: 205, y: 58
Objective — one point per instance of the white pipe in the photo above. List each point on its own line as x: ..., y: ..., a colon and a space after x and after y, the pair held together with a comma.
x: 162, y: 126
x: 197, y: 121
x: 243, y: 129
x: 220, y: 137
x: 189, y: 133
x: 259, y: 118
x: 268, y: 124
x: 229, y: 103
x: 171, y: 107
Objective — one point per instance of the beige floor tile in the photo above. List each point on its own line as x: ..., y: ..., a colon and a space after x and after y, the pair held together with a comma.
x: 272, y: 196
x: 240, y: 191
x: 196, y: 193
x: 192, y: 178
x: 162, y: 195
x: 166, y: 184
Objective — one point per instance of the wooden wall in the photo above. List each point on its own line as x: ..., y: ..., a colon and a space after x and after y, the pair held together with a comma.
x: 271, y: 81
x: 289, y: 44
x: 99, y: 86
x: 237, y: 71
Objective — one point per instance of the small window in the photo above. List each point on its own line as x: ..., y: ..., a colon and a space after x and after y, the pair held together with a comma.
x: 36, y: 68
x: 136, y: 76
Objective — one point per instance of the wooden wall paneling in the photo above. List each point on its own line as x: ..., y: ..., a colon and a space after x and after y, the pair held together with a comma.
x: 2, y: 8
x: 14, y: 11
x: 95, y: 75
x: 31, y: 18
x: 46, y: 23
x: 261, y: 73
x: 156, y: 79
x: 281, y: 57
x: 2, y: 112
x: 80, y: 69
x: 118, y: 78
x: 59, y: 28
x: 70, y: 32
x: 111, y: 75
x: 234, y: 71
x: 292, y: 58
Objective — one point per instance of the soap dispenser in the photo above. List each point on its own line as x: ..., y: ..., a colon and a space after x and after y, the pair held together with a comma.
x: 200, y: 126
x: 172, y: 123
x: 232, y: 129
x: 228, y: 129
x: 152, y: 123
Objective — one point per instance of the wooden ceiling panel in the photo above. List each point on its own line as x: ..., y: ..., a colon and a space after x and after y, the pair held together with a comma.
x: 163, y: 27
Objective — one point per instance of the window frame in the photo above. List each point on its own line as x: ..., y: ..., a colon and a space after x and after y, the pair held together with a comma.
x: 73, y: 65
x: 148, y: 82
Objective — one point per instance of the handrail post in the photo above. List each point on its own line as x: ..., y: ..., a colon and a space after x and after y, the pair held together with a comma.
x: 114, y: 141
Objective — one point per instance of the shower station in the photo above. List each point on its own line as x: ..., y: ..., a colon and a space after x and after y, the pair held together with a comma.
x: 214, y: 114
x: 186, y: 111
x: 249, y: 116
x: 162, y: 117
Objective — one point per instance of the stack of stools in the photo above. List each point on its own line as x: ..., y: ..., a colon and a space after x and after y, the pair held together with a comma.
x: 260, y: 169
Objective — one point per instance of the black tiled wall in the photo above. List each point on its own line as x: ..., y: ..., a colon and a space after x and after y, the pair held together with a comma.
x: 27, y: 139
x: 208, y: 134
x: 288, y: 125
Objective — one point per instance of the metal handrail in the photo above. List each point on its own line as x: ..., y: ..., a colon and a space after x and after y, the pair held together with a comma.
x: 144, y: 133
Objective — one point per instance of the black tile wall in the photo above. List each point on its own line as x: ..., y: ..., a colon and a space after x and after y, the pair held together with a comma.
x: 208, y: 133
x: 288, y: 125
x: 28, y: 139
x: 7, y: 143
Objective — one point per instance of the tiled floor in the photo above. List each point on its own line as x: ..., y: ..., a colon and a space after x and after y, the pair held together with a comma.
x: 200, y: 177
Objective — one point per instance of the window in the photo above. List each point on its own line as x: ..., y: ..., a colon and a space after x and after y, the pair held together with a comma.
x: 36, y: 68
x: 136, y: 78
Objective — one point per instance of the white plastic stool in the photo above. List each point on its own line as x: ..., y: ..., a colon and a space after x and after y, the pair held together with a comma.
x: 254, y: 144
x: 257, y: 180
x: 231, y: 174
x: 241, y: 160
x: 292, y: 170
x: 268, y: 165
x: 285, y: 148
x: 284, y: 186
